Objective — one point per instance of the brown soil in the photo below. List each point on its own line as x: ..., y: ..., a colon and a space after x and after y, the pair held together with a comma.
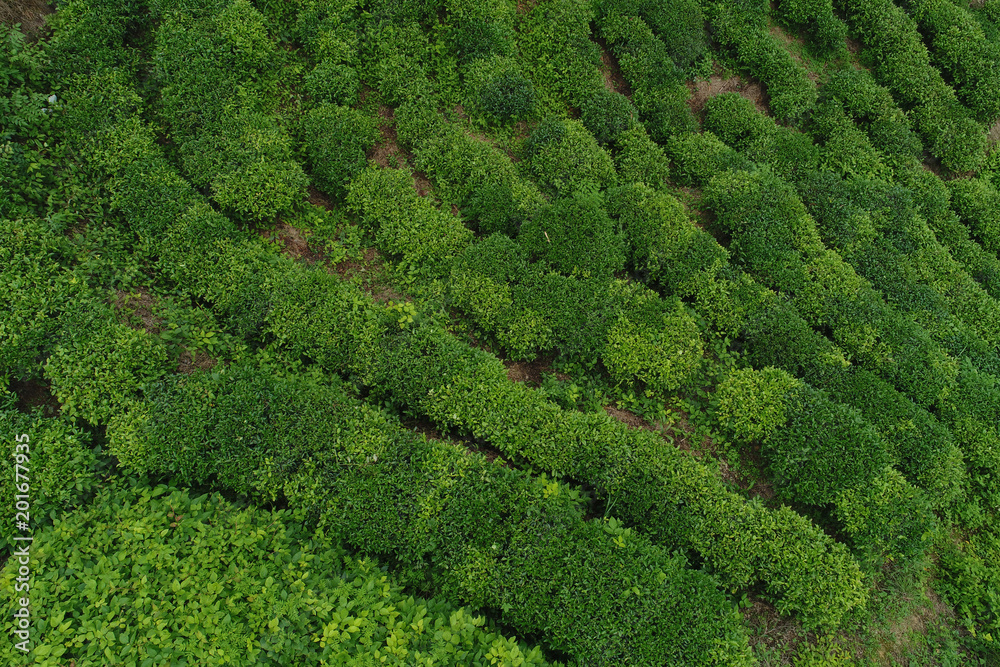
x: 130, y: 307
x: 702, y: 91
x: 854, y: 45
x: 293, y: 243
x: 630, y: 419
x: 35, y: 395
x: 529, y: 372
x: 318, y: 198
x: 201, y: 361
x: 525, y: 6
x: 422, y: 184
x: 751, y: 458
x: 769, y: 628
x: 386, y: 152
x: 800, y: 42
x: 994, y: 133
x: 611, y: 72
x: 29, y: 13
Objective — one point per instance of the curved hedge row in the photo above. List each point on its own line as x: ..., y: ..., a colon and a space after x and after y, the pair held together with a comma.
x: 901, y: 62
x: 743, y: 28
x: 204, y: 253
x: 475, y: 531
x: 961, y: 50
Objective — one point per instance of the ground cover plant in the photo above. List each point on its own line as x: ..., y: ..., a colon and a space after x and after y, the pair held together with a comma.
x: 567, y: 332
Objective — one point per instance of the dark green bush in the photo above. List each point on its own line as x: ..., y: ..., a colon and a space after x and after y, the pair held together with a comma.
x: 607, y: 114
x: 335, y: 140
x: 888, y: 520
x: 696, y: 158
x: 563, y: 156
x: 639, y: 159
x: 502, y: 94
x: 333, y: 83
x: 575, y: 236
x: 824, y: 448
x: 977, y: 203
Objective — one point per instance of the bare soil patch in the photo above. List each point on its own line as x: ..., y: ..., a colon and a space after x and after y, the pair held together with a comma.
x: 199, y: 362
x: 610, y: 70
x: 386, y: 152
x: 703, y: 91
x: 138, y: 305
x: 32, y: 395
x: 994, y: 133
x: 294, y: 243
x: 771, y: 629
x: 29, y: 13
x: 529, y: 372
x: 628, y: 418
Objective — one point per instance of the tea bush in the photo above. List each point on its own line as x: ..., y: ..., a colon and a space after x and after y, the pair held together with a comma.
x: 753, y: 404
x: 255, y: 587
x: 888, y: 520
x: 335, y: 141
x: 333, y: 83
x: 499, y: 92
x: 564, y: 156
x: 607, y: 114
x: 977, y: 203
x: 639, y: 159
x: 574, y: 235
x: 657, y: 83
x: 655, y: 342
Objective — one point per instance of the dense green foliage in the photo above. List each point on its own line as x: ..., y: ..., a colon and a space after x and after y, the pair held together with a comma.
x: 251, y: 246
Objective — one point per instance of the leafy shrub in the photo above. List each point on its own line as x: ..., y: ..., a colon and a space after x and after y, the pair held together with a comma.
x: 295, y: 596
x: 101, y: 365
x: 333, y: 83
x: 563, y: 156
x: 656, y: 342
x: 335, y: 141
x: 824, y: 447
x: 887, y: 519
x: 607, y: 114
x: 575, y: 235
x: 501, y: 94
x: 403, y: 222
x: 902, y: 64
x: 564, y: 63
x: 62, y: 464
x: 696, y: 158
x: 827, y: 30
x: 753, y: 404
x: 639, y: 159
x: 977, y: 203
x: 659, y: 92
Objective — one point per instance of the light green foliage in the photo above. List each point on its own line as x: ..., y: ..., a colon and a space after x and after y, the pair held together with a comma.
x: 575, y: 236
x: 335, y: 140
x: 403, y: 222
x: 887, y: 519
x: 826, y: 652
x: 62, y: 466
x: 101, y: 364
x: 560, y: 58
x: 655, y: 342
x: 164, y: 575
x: 753, y: 404
x: 563, y: 156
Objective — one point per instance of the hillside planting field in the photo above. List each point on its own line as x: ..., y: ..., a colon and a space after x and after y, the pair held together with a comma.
x: 482, y: 332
